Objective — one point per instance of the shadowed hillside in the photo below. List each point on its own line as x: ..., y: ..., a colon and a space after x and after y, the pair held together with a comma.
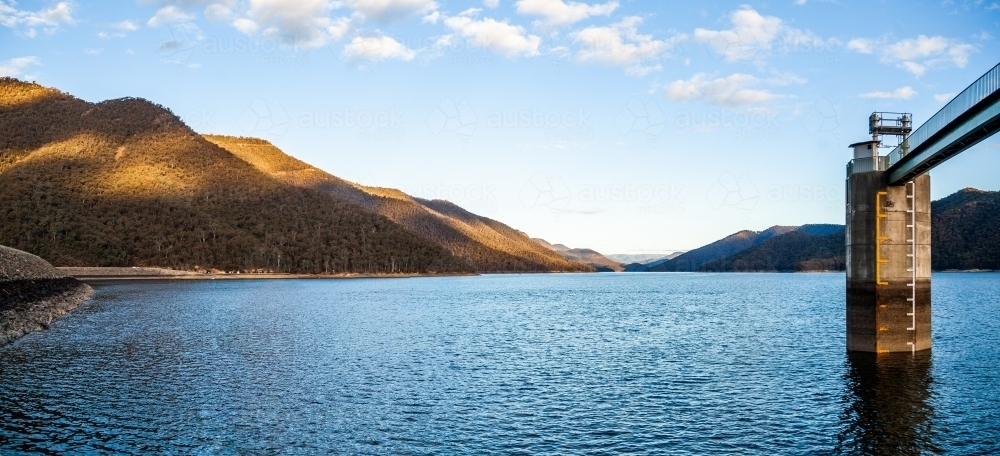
x: 805, y: 249
x: 730, y: 245
x: 965, y: 231
x: 488, y: 245
x: 125, y: 183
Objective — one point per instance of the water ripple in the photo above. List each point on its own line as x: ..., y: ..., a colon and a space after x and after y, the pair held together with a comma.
x: 532, y: 364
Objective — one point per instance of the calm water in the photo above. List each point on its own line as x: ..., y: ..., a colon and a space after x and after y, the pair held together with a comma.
x: 519, y: 364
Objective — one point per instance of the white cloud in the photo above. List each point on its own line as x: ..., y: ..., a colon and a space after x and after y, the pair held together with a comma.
x: 431, y: 18
x: 943, y: 97
x: 737, y: 89
x: 753, y: 35
x: 48, y: 19
x: 167, y: 15
x: 902, y: 93
x: 916, y: 55
x: 218, y: 12
x: 913, y: 49
x: 123, y: 28
x: 560, y: 12
x: 126, y: 26
x: 621, y: 45
x: 15, y: 67
x: 92, y: 51
x: 375, y: 48
x: 862, y: 45
x: 491, y: 3
x: 306, y: 23
x: 501, y: 37
x: 388, y: 10
x: 246, y: 26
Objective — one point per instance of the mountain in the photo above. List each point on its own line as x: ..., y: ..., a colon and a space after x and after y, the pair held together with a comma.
x: 729, y: 245
x: 642, y: 258
x: 965, y: 230
x: 590, y: 257
x: 488, y: 245
x: 126, y: 183
x: 806, y: 249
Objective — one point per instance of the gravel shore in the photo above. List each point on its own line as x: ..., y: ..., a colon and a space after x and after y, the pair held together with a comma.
x: 33, y: 294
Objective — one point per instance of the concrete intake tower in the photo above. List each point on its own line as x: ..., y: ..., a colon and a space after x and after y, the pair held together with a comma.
x: 888, y: 239
x: 889, y: 216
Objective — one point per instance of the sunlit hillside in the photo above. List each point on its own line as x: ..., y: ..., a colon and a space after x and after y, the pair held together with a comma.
x: 487, y: 244
x: 125, y: 183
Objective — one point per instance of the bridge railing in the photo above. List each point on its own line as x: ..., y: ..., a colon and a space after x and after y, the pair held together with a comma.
x: 972, y: 95
x: 862, y: 165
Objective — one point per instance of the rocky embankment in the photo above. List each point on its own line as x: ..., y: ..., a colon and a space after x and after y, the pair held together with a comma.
x: 33, y: 294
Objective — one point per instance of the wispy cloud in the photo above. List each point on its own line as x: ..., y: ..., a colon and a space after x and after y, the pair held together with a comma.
x: 622, y: 45
x: 943, y: 97
x: 738, y: 89
x: 372, y: 49
x: 916, y: 55
x: 902, y: 93
x: 28, y: 22
x: 15, y: 67
x: 753, y: 36
x: 560, y: 12
x: 487, y: 33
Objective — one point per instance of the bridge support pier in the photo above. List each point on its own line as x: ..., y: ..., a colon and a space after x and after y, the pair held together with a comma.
x: 888, y: 264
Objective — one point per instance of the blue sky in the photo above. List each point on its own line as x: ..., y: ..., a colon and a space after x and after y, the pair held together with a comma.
x: 622, y: 126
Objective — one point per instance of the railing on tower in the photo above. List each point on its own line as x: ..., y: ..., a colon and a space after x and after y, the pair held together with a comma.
x: 863, y: 165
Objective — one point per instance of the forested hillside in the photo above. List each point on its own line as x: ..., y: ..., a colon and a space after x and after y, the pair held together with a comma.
x: 796, y: 251
x: 488, y: 245
x: 965, y: 230
x: 730, y: 245
x: 125, y: 183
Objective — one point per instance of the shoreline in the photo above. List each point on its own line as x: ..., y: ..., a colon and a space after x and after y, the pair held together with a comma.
x: 31, y: 305
x: 98, y: 274
x: 102, y: 274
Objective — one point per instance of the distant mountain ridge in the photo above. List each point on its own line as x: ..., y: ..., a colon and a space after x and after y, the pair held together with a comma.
x: 779, y: 248
x: 643, y: 258
x: 965, y: 232
x: 729, y: 245
x: 586, y: 256
x: 801, y: 250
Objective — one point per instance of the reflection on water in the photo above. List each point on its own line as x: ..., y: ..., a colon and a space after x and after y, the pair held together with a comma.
x: 887, y: 408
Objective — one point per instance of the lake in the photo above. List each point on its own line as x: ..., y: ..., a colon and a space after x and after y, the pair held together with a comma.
x: 510, y: 364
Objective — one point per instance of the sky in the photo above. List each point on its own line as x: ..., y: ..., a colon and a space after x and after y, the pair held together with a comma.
x: 622, y: 126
